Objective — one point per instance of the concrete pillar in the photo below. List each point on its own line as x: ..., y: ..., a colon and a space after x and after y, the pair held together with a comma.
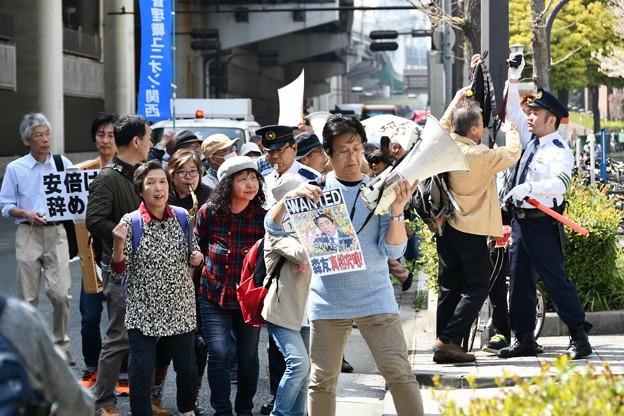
x: 118, y: 46
x: 50, y: 67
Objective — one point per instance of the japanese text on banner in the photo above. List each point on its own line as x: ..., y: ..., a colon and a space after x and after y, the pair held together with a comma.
x: 156, y: 68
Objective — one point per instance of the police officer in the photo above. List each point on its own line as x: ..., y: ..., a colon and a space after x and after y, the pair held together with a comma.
x: 281, y: 150
x: 543, y: 174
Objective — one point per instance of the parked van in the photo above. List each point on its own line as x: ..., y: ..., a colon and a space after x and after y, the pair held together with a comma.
x: 205, y: 117
x: 370, y: 110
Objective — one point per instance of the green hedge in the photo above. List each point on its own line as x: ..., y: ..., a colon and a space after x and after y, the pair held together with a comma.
x: 561, y: 389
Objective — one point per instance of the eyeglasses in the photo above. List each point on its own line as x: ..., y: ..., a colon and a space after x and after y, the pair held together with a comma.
x: 278, y: 151
x: 184, y: 173
x: 347, y: 153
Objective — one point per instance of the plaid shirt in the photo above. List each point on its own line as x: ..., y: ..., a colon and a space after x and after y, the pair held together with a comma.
x: 224, y: 239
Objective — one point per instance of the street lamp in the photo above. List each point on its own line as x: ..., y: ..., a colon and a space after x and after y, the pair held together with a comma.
x: 516, y: 48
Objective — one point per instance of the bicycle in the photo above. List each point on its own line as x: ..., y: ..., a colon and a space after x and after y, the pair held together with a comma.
x: 483, y: 323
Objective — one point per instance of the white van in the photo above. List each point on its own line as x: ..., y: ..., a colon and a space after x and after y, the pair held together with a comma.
x: 232, y: 117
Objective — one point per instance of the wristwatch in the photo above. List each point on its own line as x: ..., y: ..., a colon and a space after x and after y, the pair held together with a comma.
x: 160, y: 147
x: 398, y: 218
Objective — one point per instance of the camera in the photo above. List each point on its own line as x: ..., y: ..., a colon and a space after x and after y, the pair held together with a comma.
x: 515, y: 61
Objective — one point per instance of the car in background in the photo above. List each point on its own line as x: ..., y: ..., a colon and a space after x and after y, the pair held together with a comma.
x: 420, y: 116
x: 370, y: 110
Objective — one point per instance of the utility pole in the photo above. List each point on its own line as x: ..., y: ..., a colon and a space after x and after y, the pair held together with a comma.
x: 495, y: 39
x: 447, y: 55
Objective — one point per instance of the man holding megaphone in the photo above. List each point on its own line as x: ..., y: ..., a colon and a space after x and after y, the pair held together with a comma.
x: 464, y: 262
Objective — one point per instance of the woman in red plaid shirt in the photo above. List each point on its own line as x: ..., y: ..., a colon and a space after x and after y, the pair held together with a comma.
x: 227, y: 226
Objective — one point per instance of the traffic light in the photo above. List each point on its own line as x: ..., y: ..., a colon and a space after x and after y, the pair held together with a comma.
x: 208, y: 39
x: 384, y: 46
x: 383, y: 34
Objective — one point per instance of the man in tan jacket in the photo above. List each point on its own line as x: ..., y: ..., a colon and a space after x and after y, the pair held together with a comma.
x: 464, y: 262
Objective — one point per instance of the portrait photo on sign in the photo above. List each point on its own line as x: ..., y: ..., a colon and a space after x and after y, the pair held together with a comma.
x: 325, y: 229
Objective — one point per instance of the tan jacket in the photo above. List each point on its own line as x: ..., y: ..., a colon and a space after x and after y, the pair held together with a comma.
x: 285, y: 304
x: 475, y: 191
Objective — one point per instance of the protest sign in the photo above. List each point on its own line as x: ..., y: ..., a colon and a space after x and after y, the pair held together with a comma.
x: 325, y: 229
x: 66, y: 194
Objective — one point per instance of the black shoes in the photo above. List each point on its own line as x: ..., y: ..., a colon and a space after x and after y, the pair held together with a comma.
x: 524, y: 346
x: 346, y: 367
x: 579, y: 344
x: 408, y: 282
x: 267, y: 408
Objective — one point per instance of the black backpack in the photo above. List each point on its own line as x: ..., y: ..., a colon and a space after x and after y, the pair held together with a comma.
x: 17, y: 397
x: 434, y: 203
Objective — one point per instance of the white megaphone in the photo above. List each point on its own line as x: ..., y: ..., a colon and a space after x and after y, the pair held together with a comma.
x: 434, y: 153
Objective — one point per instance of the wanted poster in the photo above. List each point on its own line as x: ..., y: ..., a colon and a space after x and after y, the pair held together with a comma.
x: 325, y: 229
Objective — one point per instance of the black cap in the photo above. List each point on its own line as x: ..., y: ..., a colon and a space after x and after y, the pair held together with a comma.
x: 545, y: 99
x: 274, y: 137
x: 184, y: 137
x: 306, y: 142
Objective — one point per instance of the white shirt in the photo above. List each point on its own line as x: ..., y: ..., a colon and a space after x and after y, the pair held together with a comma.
x: 550, y: 169
x: 22, y: 186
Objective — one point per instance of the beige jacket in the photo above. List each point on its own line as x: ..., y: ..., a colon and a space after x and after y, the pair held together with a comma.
x: 475, y: 191
x: 285, y: 304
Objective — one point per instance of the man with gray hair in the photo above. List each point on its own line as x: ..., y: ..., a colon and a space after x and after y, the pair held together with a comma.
x: 40, y: 245
x: 464, y: 261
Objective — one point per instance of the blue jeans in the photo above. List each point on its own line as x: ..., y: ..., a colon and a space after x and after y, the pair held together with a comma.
x: 91, y: 314
x: 143, y: 359
x: 218, y: 324
x: 412, y: 250
x: 292, y: 391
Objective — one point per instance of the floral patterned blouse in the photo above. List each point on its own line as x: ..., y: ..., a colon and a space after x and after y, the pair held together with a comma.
x: 160, y: 296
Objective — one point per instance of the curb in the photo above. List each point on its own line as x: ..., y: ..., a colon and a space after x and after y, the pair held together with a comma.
x: 605, y: 323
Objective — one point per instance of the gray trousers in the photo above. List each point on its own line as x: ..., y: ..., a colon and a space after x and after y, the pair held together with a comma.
x: 114, y: 346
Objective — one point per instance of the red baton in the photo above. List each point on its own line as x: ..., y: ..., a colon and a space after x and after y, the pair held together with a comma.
x: 558, y: 216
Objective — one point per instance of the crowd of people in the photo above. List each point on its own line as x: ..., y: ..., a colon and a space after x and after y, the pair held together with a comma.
x: 172, y: 223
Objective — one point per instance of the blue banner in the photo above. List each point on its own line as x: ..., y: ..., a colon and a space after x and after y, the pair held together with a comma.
x: 156, y: 60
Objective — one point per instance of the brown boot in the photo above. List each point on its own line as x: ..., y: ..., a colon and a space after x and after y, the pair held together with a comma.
x: 158, y: 409
x: 449, y: 352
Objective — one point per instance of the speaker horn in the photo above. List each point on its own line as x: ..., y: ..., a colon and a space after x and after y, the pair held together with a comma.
x: 317, y: 120
x: 435, y: 152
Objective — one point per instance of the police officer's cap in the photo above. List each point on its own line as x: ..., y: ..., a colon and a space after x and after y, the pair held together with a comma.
x: 545, y: 99
x: 306, y: 143
x: 274, y: 137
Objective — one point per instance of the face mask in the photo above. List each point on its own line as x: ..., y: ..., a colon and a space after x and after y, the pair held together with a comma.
x: 229, y: 155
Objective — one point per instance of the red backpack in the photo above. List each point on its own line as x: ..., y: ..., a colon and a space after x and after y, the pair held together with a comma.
x: 250, y: 291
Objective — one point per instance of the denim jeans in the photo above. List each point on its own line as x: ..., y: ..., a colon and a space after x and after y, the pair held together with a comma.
x: 218, y: 325
x: 292, y: 392
x: 91, y: 308
x: 143, y: 350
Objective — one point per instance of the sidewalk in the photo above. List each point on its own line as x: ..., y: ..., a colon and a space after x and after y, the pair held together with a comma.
x: 360, y: 394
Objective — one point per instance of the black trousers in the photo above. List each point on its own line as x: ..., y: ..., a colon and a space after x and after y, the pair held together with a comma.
x: 536, y: 249
x: 498, y: 292
x: 463, y: 277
